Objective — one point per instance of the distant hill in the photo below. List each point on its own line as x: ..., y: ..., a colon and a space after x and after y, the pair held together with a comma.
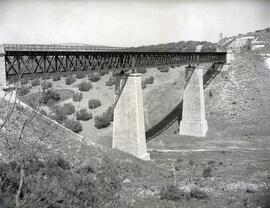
x: 181, y: 46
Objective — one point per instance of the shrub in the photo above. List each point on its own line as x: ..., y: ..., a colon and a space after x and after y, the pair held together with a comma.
x: 34, y: 101
x: 143, y: 84
x: 109, y: 113
x: 198, y: 194
x: 142, y: 70
x: 46, y: 85
x: 83, y: 115
x: 54, y: 178
x: 102, y: 121
x: 102, y: 72
x: 80, y: 75
x: 210, y: 93
x: 35, y: 82
x: 70, y: 80
x: 57, y: 77
x: 94, y: 77
x: 171, y: 192
x: 69, y: 108
x: 24, y: 81
x: 77, y: 97
x: 85, y: 86
x: 46, y: 76
x: 51, y: 95
x: 163, y: 69
x: 110, y: 82
x: 73, y: 125
x: 59, y: 115
x: 207, y: 172
x: 23, y: 90
x: 149, y: 80
x: 105, y: 119
x: 93, y: 103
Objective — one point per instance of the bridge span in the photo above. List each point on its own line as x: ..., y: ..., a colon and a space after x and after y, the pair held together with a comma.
x: 17, y: 61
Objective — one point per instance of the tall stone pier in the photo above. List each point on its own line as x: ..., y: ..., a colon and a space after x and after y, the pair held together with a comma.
x: 3, y: 80
x: 193, y: 115
x: 128, y: 125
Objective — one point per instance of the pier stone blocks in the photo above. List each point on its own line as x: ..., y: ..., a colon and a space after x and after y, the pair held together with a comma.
x: 128, y: 125
x: 193, y: 115
x: 3, y: 81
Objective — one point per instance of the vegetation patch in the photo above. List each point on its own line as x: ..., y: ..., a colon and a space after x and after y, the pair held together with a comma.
x: 85, y: 86
x: 35, y: 82
x: 110, y: 82
x: 83, y: 115
x: 163, y: 69
x: 172, y: 192
x: 23, y: 90
x: 24, y: 81
x: 69, y: 108
x: 57, y: 77
x: 142, y: 70
x: 94, y: 103
x: 70, y: 80
x: 52, y: 182
x: 73, y: 125
x: 94, y: 77
x: 80, y: 75
x: 46, y: 85
x: 77, y: 97
x: 105, y: 119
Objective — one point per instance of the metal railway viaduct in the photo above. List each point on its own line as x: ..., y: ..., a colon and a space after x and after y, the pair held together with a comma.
x: 17, y: 61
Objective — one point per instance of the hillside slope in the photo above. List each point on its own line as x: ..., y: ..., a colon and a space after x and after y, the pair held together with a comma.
x: 29, y: 134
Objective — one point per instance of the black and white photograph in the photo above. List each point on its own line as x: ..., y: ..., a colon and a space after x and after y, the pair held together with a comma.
x: 134, y: 103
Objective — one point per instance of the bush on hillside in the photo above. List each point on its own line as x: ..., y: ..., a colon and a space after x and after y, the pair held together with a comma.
x: 77, y: 97
x: 23, y: 90
x: 143, y: 84
x: 171, y: 192
x: 94, y: 103
x: 53, y: 182
x: 51, y: 95
x: 102, y: 121
x: 142, y: 70
x: 105, y: 119
x: 57, y: 77
x: 46, y: 76
x: 85, y: 86
x: 80, y: 75
x: 46, y: 85
x: 149, y: 80
x: 59, y: 115
x: 163, y: 69
x: 94, y: 77
x: 34, y: 101
x: 69, y: 108
x: 35, y: 82
x: 83, y: 115
x: 110, y: 82
x: 70, y: 80
x: 24, y: 81
x: 103, y: 72
x: 73, y: 125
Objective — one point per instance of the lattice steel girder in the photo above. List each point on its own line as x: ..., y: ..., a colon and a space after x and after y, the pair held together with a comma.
x: 54, y: 61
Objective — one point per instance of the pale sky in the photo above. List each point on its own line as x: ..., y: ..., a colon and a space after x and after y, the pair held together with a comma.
x: 128, y: 22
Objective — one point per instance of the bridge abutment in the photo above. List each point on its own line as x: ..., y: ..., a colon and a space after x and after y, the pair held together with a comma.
x: 128, y: 125
x: 3, y: 79
x: 193, y: 115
